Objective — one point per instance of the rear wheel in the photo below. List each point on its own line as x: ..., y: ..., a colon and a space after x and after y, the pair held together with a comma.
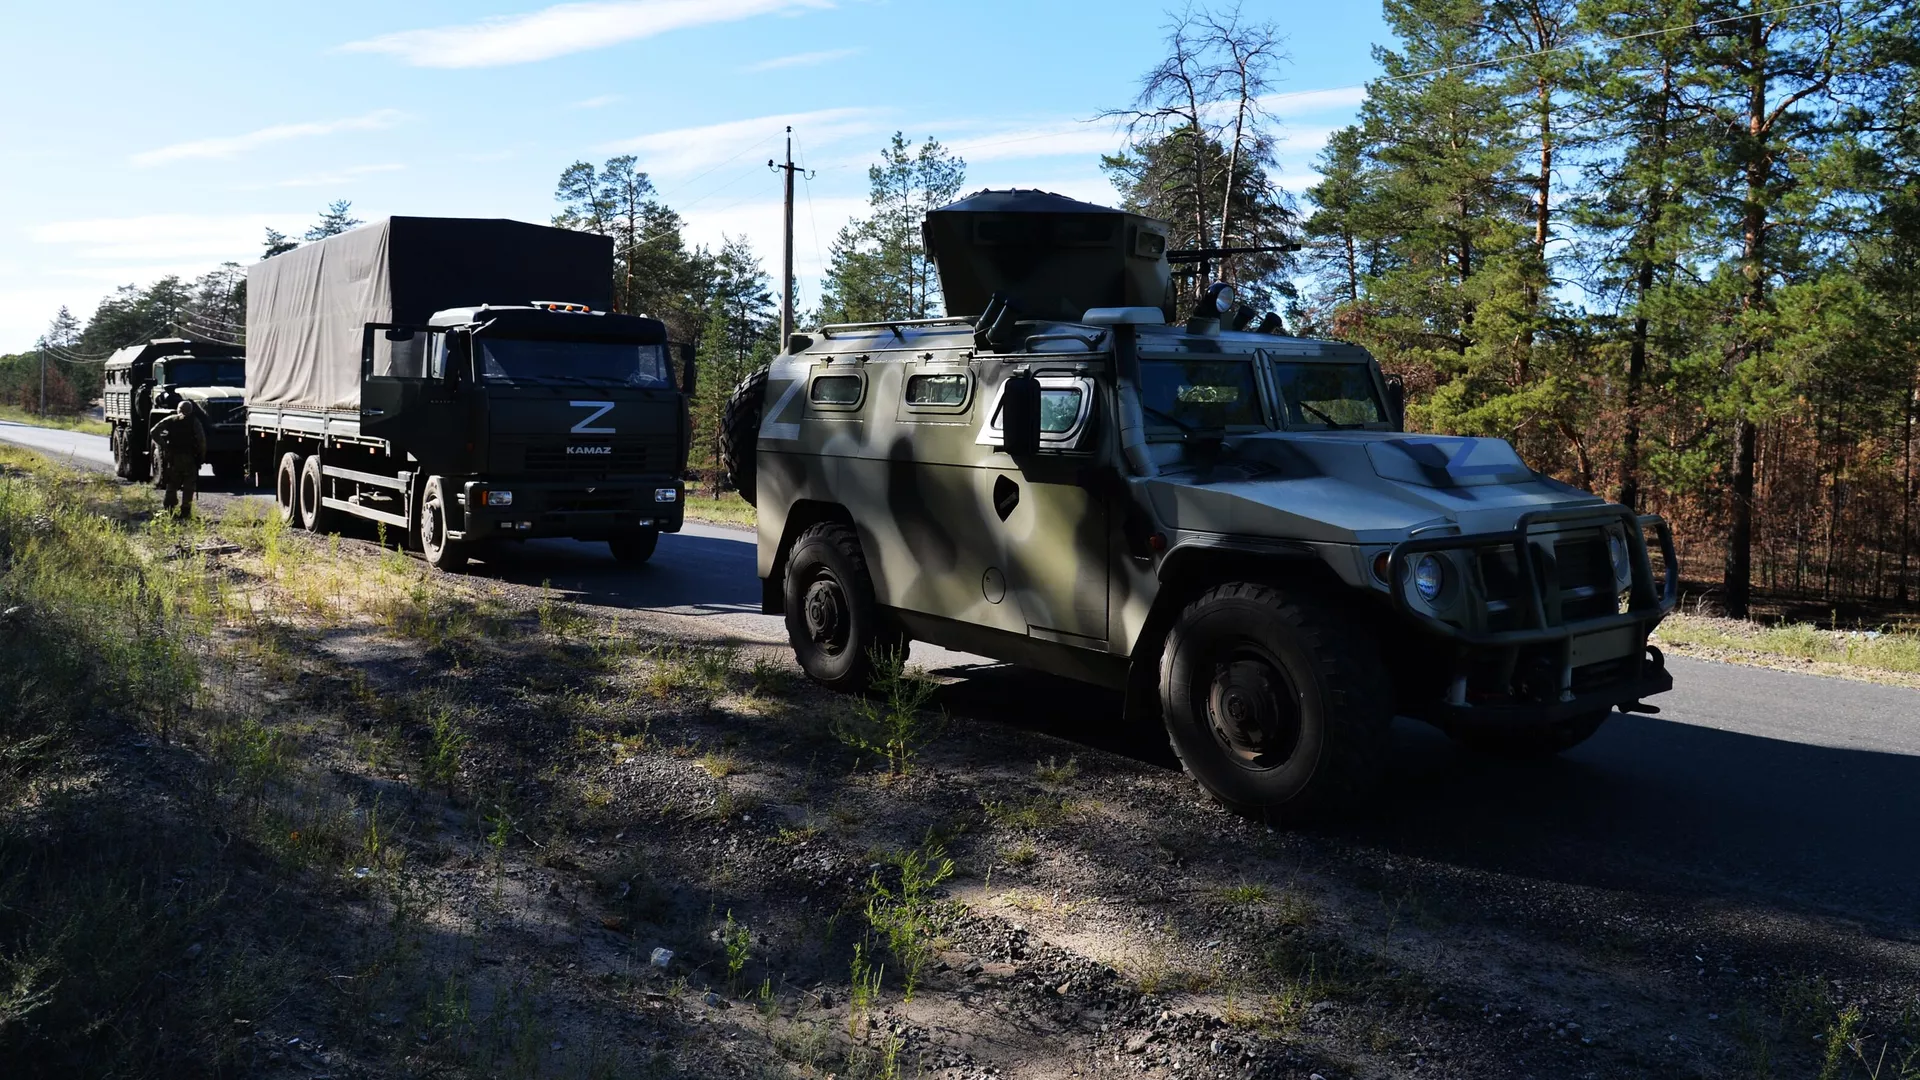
x: 833, y: 620
x: 740, y: 433
x: 634, y: 547
x: 318, y: 516
x: 116, y: 441
x: 1533, y: 742
x: 286, y: 490
x: 440, y: 552
x: 1273, y: 702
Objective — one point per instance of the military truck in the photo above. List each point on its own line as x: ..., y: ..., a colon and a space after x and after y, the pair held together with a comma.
x: 141, y: 381
x: 461, y: 381
x: 1228, y: 524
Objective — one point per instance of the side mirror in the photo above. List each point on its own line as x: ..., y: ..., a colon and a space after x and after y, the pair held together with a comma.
x: 1397, y: 402
x: 689, y: 374
x: 1020, y: 416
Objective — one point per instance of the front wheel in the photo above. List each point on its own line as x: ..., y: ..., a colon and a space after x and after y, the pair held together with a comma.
x: 1274, y: 703
x: 440, y: 552
x: 833, y: 619
x: 634, y: 548
x: 1542, y: 741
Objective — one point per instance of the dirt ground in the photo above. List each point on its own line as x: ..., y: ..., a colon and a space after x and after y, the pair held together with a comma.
x: 572, y: 842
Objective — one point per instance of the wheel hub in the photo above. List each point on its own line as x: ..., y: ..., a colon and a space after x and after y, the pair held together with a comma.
x: 1253, y: 712
x: 826, y: 614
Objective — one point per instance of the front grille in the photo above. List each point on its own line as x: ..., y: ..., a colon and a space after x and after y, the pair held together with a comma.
x: 1585, y: 576
x: 602, y: 457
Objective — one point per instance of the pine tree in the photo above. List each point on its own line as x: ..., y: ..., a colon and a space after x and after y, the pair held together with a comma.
x: 334, y: 220
x: 878, y: 267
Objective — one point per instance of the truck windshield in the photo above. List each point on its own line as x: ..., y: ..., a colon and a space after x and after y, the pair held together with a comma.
x: 1197, y: 394
x: 1327, y: 395
x: 201, y: 373
x: 601, y: 363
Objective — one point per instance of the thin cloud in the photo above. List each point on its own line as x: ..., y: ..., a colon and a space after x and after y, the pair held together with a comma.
x: 684, y: 150
x: 170, y: 239
x: 600, y: 102
x: 810, y: 59
x: 228, y: 146
x: 1070, y: 139
x: 337, y: 178
x: 563, y: 29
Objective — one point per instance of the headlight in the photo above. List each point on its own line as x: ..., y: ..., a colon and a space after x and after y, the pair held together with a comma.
x: 1429, y: 576
x: 1617, y: 554
x: 499, y: 498
x: 661, y: 495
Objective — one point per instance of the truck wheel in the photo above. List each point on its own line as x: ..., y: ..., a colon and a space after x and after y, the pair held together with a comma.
x: 1274, y: 704
x: 313, y: 484
x: 1532, y: 742
x: 441, y: 553
x: 634, y: 547
x: 740, y: 433
x: 117, y: 443
x: 286, y: 490
x: 833, y: 620
x: 153, y: 466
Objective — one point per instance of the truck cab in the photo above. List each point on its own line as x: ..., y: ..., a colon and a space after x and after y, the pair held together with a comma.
x: 1229, y: 525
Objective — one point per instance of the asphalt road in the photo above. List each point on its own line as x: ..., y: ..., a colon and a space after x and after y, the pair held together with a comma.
x: 1753, y: 784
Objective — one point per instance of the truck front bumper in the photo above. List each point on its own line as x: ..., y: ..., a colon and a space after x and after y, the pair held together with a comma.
x: 583, y: 511
x: 1542, y: 667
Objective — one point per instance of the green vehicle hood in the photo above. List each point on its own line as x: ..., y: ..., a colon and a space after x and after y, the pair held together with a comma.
x: 1352, y: 487
x: 210, y: 393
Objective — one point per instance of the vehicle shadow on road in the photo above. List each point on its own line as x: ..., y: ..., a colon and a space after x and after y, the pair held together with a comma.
x: 689, y: 573
x: 1647, y: 804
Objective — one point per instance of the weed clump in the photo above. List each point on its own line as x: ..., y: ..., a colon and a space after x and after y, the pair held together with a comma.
x: 891, y: 722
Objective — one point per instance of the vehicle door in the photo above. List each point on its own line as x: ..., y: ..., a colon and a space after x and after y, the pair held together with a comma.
x: 1055, y: 529
x: 410, y: 379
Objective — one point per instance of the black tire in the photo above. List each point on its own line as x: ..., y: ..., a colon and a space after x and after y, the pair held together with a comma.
x: 1542, y: 741
x: 313, y: 484
x: 833, y: 620
x: 1273, y: 702
x: 740, y: 433
x: 286, y: 490
x: 117, y: 441
x: 153, y: 466
x: 440, y: 552
x: 635, y: 547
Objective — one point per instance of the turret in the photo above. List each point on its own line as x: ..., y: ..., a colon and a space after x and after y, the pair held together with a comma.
x: 1051, y: 257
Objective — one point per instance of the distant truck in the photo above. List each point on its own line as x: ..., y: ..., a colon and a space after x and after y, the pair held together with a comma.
x: 141, y: 380
x: 462, y: 381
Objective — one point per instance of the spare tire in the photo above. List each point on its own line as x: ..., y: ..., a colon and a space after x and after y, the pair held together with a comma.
x: 740, y: 432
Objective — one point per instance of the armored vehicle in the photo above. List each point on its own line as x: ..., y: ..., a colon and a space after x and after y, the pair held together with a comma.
x: 1230, y: 526
x: 461, y: 381
x: 145, y: 382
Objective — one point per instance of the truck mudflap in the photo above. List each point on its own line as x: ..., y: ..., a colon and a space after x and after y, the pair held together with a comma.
x: 586, y: 511
x: 1521, y: 660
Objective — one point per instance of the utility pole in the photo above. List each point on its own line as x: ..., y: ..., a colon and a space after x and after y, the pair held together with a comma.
x: 786, y: 277
x: 43, y: 376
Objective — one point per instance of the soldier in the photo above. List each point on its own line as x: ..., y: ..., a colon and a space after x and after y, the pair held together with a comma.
x: 181, y: 442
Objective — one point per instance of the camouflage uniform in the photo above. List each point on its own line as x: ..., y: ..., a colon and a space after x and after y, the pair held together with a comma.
x: 182, y: 442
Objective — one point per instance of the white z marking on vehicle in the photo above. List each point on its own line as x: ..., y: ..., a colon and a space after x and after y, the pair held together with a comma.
x: 775, y: 429
x: 600, y: 409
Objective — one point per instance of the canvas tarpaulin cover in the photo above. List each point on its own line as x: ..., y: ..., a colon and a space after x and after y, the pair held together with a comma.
x: 307, y: 308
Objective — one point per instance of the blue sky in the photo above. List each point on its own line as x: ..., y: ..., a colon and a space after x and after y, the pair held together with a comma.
x: 148, y: 139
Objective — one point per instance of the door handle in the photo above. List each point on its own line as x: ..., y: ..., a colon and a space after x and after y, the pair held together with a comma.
x: 1006, y: 496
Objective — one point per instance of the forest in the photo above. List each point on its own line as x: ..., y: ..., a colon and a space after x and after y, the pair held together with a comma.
x: 1671, y: 252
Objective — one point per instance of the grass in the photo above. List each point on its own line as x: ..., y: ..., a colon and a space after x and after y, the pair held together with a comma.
x: 1895, y: 649
x: 725, y: 509
x: 891, y: 722
x: 1037, y: 812
x: 86, y: 424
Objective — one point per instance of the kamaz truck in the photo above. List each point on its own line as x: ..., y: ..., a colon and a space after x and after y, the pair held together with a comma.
x: 463, y: 383
x: 1228, y: 524
x: 141, y: 382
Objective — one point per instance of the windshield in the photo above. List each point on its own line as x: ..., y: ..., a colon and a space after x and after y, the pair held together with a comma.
x: 1327, y: 395
x: 598, y: 363
x: 200, y: 373
x: 1197, y: 394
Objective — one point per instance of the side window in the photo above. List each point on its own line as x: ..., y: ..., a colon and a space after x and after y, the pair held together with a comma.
x: 436, y: 356
x: 938, y: 390
x: 837, y: 391
x: 1059, y: 409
